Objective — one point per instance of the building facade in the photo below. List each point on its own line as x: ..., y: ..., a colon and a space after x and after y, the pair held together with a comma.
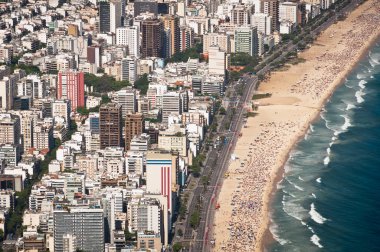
x: 110, y: 125
x: 70, y: 86
x: 87, y: 225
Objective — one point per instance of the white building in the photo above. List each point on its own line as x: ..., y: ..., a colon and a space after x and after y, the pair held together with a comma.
x: 129, y: 69
x: 217, y: 61
x: 129, y: 36
x: 171, y: 103
x: 263, y: 22
x: 127, y: 98
x: 144, y: 215
x: 61, y: 108
x: 288, y: 12
x: 115, y: 15
x: 134, y: 162
x: 217, y: 39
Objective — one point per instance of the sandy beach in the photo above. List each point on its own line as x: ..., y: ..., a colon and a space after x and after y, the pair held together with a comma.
x: 298, y: 95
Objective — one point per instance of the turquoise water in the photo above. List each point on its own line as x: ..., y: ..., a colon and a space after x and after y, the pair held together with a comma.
x: 329, y: 197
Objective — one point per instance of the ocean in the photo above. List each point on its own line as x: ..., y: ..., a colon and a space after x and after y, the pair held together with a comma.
x: 328, y: 199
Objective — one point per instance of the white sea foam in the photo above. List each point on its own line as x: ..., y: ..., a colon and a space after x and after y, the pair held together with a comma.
x: 360, y: 76
x: 273, y: 228
x: 315, y: 216
x: 362, y: 84
x: 298, y: 187
x: 310, y: 228
x: 312, y: 194
x: 326, y: 161
x: 350, y: 106
x: 280, y: 186
x: 287, y: 167
x: 311, y: 128
x: 328, y: 150
x: 334, y: 138
x: 316, y: 240
x: 359, y: 96
x: 319, y: 180
x: 347, y: 122
x: 288, y: 193
x: 299, y: 177
x: 348, y: 85
x: 330, y: 144
x: 337, y: 132
x: 293, y: 209
x: 375, y: 57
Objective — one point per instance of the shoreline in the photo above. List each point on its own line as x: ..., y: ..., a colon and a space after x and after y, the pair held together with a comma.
x: 267, y: 237
x: 297, y: 104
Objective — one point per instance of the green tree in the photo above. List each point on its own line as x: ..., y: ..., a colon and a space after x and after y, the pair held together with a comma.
x: 142, y: 84
x: 194, y: 219
x: 180, y: 232
x: 177, y: 247
x: 104, y: 83
x: 193, y: 53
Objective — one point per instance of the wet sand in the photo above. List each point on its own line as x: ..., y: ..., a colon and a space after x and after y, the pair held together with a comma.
x: 298, y: 95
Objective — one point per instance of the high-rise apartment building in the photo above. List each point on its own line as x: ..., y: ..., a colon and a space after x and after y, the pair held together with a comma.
x: 171, y: 104
x: 9, y: 129
x: 144, y: 215
x: 110, y: 125
x: 6, y: 94
x: 217, y: 61
x: 70, y: 86
x: 159, y: 175
x: 116, y: 15
x: 172, y: 22
x: 10, y: 154
x: 129, y: 69
x: 94, y: 55
x: 288, y: 11
x: 222, y: 40
x: 61, y: 108
x: 152, y: 38
x: 86, y: 225
x: 186, y: 38
x: 104, y: 16
x: 27, y: 124
x: 111, y: 15
x: 43, y: 136
x: 127, y: 99
x: 246, y: 40
x: 241, y: 14
x: 129, y: 36
x: 263, y: 22
x: 271, y: 8
x: 134, y: 126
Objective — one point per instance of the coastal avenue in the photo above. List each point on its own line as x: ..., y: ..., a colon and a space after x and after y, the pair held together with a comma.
x: 204, y: 231
x: 250, y: 85
x: 217, y: 162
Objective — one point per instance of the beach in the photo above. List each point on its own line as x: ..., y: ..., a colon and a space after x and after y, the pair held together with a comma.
x: 299, y: 92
